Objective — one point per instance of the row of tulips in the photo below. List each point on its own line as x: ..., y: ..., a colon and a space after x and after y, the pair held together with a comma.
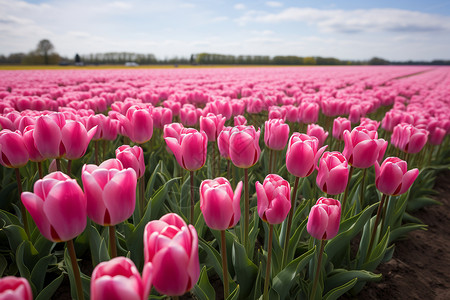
x: 136, y: 206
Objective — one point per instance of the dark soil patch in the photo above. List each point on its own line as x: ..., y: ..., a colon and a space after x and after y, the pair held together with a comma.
x: 420, y: 267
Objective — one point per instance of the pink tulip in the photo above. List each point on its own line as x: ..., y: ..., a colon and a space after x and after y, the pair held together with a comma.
x: 110, y: 192
x: 437, y: 135
x: 75, y: 139
x: 137, y: 124
x: 408, y: 138
x: 15, y: 288
x: 189, y: 115
x: 132, y: 157
x: 393, y: 177
x: 189, y: 149
x: 391, y: 119
x: 332, y: 175
x: 339, y: 126
x: 57, y: 206
x: 244, y: 146
x: 240, y: 120
x: 172, y: 130
x: 308, y: 112
x: 219, y: 205
x: 362, y: 148
x: 223, y: 142
x: 28, y: 139
x: 274, y: 199
x: 324, y: 218
x: 47, y: 137
x: 172, y: 248
x: 212, y: 125
x: 302, y: 154
x: 119, y: 279
x: 318, y: 132
x: 161, y: 116
x: 276, y: 134
x: 355, y: 114
x: 369, y: 124
x: 13, y: 151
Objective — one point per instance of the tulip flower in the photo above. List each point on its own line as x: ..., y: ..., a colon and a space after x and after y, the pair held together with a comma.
x: 132, y: 157
x: 47, y: 136
x: 369, y: 124
x: 244, y: 146
x: 161, y: 116
x: 276, y: 134
x: 240, y: 120
x: 223, y: 142
x: 408, y: 138
x: 189, y: 115
x: 13, y: 151
x: 393, y: 178
x: 119, y: 279
x: 172, y: 248
x: 274, y: 199
x: 309, y: 112
x: 137, y: 124
x: 189, y: 149
x: 318, y: 132
x: 332, y: 175
x: 172, y: 130
x: 302, y: 154
x: 75, y: 139
x: 15, y: 288
x: 212, y: 125
x: 339, y: 126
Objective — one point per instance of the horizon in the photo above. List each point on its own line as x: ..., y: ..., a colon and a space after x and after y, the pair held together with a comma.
x: 346, y: 30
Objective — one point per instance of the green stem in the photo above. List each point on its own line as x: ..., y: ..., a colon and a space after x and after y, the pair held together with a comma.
x: 213, y: 160
x: 350, y: 174
x: 141, y: 195
x: 192, y: 198
x: 270, y: 160
x: 246, y: 209
x: 289, y: 222
x: 269, y: 258
x: 375, y: 225
x: 224, y: 264
x: 362, y: 186
x: 319, y: 262
x: 58, y: 164
x: 104, y: 149
x: 383, y: 217
x: 76, y: 271
x: 228, y: 170
x: 22, y: 208
x: 112, y: 241
x: 41, y: 173
x: 69, y: 167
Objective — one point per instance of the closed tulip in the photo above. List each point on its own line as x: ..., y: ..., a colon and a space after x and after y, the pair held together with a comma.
x: 339, y: 126
x: 408, y: 138
x: 362, y: 148
x: 172, y: 247
x: 161, y: 116
x: 223, y: 142
x: 15, y: 288
x: 244, y: 146
x: 212, y: 125
x: 132, y: 157
x: 137, y: 124
x: 318, y: 132
x: 219, y: 205
x: 110, y: 192
x: 332, y: 175
x: 13, y: 151
x: 57, y: 206
x: 75, y: 139
x: 47, y: 136
x: 119, y: 279
x: 189, y: 149
x: 302, y: 154
x: 276, y: 134
x: 393, y: 177
x: 240, y: 120
x: 324, y: 219
x: 273, y: 199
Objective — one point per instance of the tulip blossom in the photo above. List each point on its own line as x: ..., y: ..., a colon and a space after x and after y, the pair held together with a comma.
x: 47, y: 136
x: 57, y: 206
x: 161, y: 116
x: 324, y: 219
x: 189, y: 148
x: 15, y: 288
x: 13, y: 151
x: 132, y: 157
x: 318, y: 132
x: 339, y: 126
x: 223, y: 142
x: 393, y: 178
x: 110, y: 192
x: 302, y: 154
x: 408, y: 138
x: 75, y: 139
x: 276, y: 134
x: 171, y: 246
x: 308, y: 112
x: 240, y: 120
x: 332, y: 175
x: 369, y: 124
x: 137, y: 124
x: 274, y: 199
x: 28, y: 139
x: 362, y: 148
x: 244, y: 146
x: 119, y: 279
x: 212, y: 125
x: 219, y: 205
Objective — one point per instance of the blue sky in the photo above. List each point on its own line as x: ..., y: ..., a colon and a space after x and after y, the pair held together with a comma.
x: 395, y: 30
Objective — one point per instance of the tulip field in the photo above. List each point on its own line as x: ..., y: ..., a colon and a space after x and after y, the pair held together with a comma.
x: 214, y: 183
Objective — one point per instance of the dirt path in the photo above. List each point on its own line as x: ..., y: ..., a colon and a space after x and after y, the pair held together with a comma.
x: 420, y: 268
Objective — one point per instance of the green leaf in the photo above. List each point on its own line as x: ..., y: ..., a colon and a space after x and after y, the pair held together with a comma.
x: 5, y: 199
x: 40, y: 269
x: 16, y: 235
x: 50, y: 289
x: 9, y: 218
x: 43, y: 246
x: 158, y: 199
x: 3, y: 265
x: 213, y: 257
x: 340, y: 277
x: 203, y: 289
x: 103, y: 254
x: 235, y: 294
x: 405, y: 229
x: 85, y: 280
x: 151, y: 181
x: 284, y: 280
x: 94, y: 243
x: 374, y: 258
x: 246, y: 271
x: 20, y: 260
x: 341, y: 290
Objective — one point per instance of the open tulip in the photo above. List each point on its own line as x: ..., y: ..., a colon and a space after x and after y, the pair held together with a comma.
x: 189, y: 149
x: 110, y: 192
x: 302, y: 154
x: 362, y: 148
x: 132, y: 157
x: 13, y: 151
x: 276, y: 134
x: 393, y: 178
x: 318, y: 132
x: 172, y: 248
x: 324, y: 219
x: 219, y: 205
x: 15, y: 288
x: 119, y: 279
x: 274, y: 199
x: 244, y: 146
x: 57, y: 206
x: 332, y: 175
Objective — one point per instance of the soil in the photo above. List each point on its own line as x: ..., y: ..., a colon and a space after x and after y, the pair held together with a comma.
x: 420, y: 267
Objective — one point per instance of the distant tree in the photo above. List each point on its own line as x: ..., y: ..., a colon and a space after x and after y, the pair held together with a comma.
x: 44, y: 48
x: 77, y: 59
x: 378, y: 61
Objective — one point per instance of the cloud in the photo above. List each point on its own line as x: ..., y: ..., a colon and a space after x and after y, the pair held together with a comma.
x: 354, y: 21
x: 239, y: 6
x: 274, y: 4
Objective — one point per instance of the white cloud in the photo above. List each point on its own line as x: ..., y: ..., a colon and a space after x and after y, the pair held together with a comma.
x: 239, y: 6
x: 274, y: 4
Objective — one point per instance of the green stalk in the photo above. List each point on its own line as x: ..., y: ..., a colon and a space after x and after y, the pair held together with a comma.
x: 350, y: 174
x: 23, y: 211
x: 362, y: 186
x: 213, y: 160
x: 375, y: 225
x: 69, y: 167
x: 76, y: 271
x: 270, y: 160
x: 192, y: 198
x: 289, y: 222
x: 246, y: 209
x: 224, y: 264
x: 96, y: 152
x: 319, y: 262
x: 58, y: 164
x: 269, y: 258
x: 141, y: 196
x: 41, y: 173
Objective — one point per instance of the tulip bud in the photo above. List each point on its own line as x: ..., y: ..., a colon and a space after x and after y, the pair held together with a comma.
x: 332, y: 175
x: 273, y: 199
x: 324, y: 219
x: 276, y: 134
x: 339, y: 126
x: 244, y: 146
x: 15, y: 288
x: 189, y: 149
x: 393, y: 177
x: 302, y: 154
x: 132, y: 157
x: 13, y: 151
x: 212, y: 125
x: 362, y: 148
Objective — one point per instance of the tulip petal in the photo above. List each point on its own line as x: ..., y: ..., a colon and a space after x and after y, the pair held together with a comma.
x: 35, y: 206
x: 390, y: 179
x: 119, y: 195
x: 263, y: 201
x: 408, y: 180
x: 317, y: 222
x: 217, y: 208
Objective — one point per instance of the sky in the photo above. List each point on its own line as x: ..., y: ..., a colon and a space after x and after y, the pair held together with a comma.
x: 357, y: 30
